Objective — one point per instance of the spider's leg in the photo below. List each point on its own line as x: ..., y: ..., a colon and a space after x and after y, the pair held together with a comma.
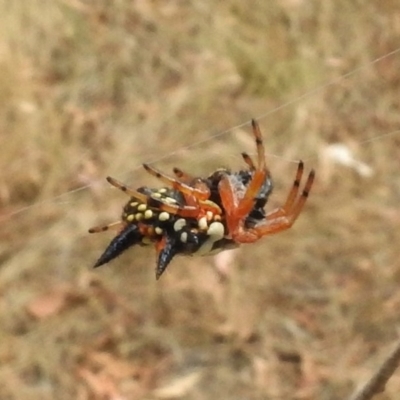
x: 234, y: 222
x: 229, y: 202
x: 200, y: 194
x: 275, y: 222
x: 193, y: 182
x: 208, y: 205
x: 174, y: 209
x: 285, y: 209
x: 298, y: 206
x: 185, y: 211
x: 182, y: 176
x: 295, y: 188
x: 128, y: 237
x: 247, y: 159
x: 283, y: 222
x: 205, y: 205
x: 247, y: 202
x: 259, y: 144
x: 259, y: 176
x: 131, y: 192
x: 103, y: 228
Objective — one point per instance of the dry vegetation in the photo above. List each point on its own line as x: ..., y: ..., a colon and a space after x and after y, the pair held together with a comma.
x: 95, y: 88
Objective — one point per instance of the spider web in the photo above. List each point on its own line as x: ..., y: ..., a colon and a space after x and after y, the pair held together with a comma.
x: 69, y: 202
x: 209, y: 137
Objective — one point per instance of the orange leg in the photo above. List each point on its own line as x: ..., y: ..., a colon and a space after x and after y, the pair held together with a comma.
x: 291, y: 197
x: 183, y: 211
x: 200, y: 194
x: 130, y: 192
x: 183, y: 176
x: 298, y: 206
x: 260, y: 174
x: 275, y: 224
x: 259, y: 144
x: 196, y: 196
x: 196, y: 183
x: 235, y: 223
x: 247, y: 159
x: 229, y: 202
x: 114, y: 225
x: 246, y: 204
x: 187, y: 211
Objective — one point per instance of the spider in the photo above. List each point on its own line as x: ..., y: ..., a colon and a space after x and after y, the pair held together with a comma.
x: 194, y: 215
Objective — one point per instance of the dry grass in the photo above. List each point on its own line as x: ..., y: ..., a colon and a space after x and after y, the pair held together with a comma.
x: 95, y: 88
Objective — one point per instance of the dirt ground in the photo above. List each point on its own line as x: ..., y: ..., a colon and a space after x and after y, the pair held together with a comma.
x: 90, y: 89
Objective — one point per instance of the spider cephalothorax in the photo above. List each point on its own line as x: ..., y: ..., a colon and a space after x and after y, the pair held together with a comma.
x: 194, y: 215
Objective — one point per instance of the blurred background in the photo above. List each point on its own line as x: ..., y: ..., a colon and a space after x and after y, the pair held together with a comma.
x: 95, y: 88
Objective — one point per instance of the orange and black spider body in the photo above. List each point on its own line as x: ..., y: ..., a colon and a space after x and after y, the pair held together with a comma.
x: 145, y: 223
x: 197, y: 216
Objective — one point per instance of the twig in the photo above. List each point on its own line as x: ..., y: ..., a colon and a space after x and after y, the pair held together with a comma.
x: 378, y: 380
